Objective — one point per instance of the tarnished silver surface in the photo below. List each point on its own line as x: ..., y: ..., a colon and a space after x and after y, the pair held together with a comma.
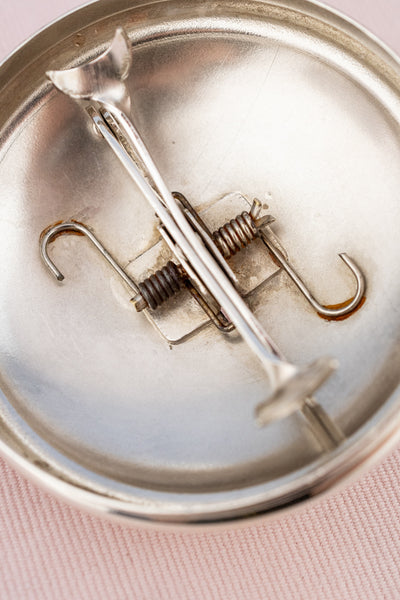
x: 284, y: 102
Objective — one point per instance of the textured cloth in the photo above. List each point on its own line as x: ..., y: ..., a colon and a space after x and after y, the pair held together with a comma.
x: 345, y: 546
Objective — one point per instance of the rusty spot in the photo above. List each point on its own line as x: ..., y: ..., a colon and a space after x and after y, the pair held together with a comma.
x: 60, y: 233
x: 342, y: 305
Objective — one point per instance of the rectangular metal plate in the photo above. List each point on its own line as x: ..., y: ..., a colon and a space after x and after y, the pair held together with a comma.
x: 181, y: 317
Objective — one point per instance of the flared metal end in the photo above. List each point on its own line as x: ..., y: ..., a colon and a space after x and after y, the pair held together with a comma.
x: 291, y: 395
x: 101, y: 79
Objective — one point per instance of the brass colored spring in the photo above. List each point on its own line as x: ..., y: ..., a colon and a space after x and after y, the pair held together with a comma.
x: 161, y: 286
x: 235, y: 235
x: 229, y: 239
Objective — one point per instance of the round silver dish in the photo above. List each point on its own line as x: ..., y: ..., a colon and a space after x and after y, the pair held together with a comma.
x: 285, y: 101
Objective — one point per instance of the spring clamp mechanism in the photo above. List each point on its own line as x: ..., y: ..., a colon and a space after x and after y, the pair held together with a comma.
x: 200, y: 256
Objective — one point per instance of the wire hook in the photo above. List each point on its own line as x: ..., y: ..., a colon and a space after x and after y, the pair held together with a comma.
x: 329, y: 313
x: 49, y: 235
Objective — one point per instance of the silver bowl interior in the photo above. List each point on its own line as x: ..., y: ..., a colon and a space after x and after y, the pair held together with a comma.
x: 286, y: 102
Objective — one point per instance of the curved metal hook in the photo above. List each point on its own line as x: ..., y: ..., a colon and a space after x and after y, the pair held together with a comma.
x: 75, y: 227
x: 330, y: 313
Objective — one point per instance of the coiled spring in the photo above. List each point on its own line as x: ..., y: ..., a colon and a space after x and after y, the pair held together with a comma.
x: 235, y: 235
x: 161, y: 286
x: 229, y: 239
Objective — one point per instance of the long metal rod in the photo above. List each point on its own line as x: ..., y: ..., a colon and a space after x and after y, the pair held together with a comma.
x: 213, y: 277
x: 102, y: 81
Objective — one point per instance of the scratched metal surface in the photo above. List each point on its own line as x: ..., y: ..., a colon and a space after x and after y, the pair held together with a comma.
x: 287, y: 103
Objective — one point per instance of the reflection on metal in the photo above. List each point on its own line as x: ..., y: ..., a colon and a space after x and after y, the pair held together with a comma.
x: 201, y: 255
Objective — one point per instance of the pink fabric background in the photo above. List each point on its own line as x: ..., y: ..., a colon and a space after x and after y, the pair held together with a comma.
x: 344, y: 547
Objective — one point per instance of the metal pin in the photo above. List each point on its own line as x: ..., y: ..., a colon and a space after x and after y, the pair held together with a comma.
x: 102, y: 81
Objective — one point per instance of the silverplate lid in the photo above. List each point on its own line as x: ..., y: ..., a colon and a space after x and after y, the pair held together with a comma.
x: 286, y: 102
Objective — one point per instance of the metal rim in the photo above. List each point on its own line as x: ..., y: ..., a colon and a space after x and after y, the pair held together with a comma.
x: 361, y: 450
